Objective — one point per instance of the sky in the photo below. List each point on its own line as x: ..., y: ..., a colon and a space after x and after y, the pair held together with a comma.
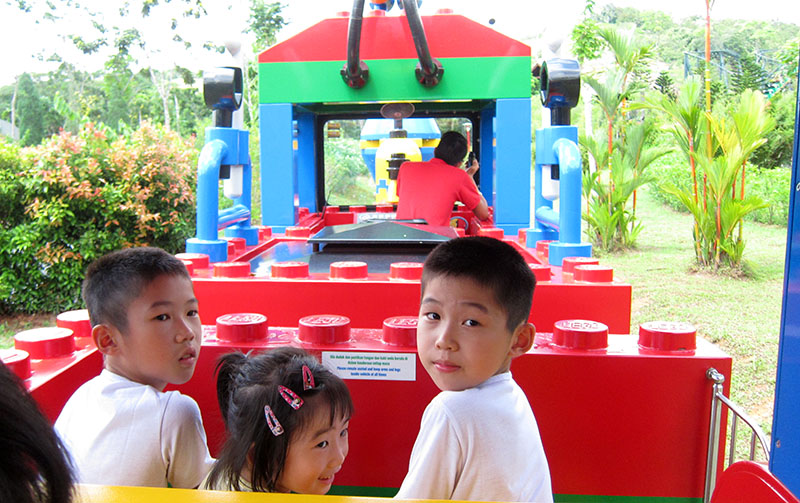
x: 21, y: 39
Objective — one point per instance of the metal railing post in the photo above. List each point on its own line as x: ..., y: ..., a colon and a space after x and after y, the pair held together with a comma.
x: 712, y: 458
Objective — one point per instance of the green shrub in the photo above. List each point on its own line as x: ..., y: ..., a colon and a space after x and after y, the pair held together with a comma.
x: 76, y: 197
x: 773, y: 186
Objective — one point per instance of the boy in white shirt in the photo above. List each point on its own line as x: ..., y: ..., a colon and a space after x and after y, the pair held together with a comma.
x: 478, y: 438
x: 120, y: 427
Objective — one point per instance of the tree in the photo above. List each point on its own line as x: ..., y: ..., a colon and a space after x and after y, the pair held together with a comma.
x: 665, y: 85
x: 748, y: 75
x: 30, y: 110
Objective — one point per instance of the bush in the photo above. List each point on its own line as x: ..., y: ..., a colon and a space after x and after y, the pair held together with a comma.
x: 780, y: 141
x: 773, y: 186
x: 76, y: 197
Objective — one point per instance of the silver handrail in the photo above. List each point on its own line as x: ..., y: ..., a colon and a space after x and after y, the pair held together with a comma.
x: 717, y: 400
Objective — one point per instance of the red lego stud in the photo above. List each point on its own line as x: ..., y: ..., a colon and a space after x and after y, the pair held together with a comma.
x: 231, y: 269
x: 324, y: 329
x: 400, y: 331
x: 358, y: 209
x: 667, y: 336
x: 231, y: 249
x: 48, y: 342
x: 594, y: 273
x: 189, y: 266
x: 239, y: 244
x: 405, y: 270
x: 264, y: 232
x: 569, y: 263
x: 77, y: 321
x: 384, y: 208
x: 290, y: 270
x: 302, y: 212
x: 200, y: 260
x: 491, y: 232
x: 331, y: 209
x: 242, y: 327
x: 580, y: 334
x: 352, y: 269
x: 541, y: 271
x: 522, y: 236
x: 298, y: 232
x: 18, y: 361
x: 543, y: 247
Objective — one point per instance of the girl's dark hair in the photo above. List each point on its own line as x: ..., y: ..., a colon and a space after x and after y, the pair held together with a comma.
x: 34, y: 466
x: 245, y: 384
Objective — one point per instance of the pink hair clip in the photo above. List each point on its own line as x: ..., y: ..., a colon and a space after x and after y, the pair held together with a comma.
x: 272, y: 421
x: 291, y: 397
x: 308, y: 378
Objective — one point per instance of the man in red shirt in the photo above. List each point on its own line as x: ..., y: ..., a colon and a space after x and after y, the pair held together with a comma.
x: 428, y: 190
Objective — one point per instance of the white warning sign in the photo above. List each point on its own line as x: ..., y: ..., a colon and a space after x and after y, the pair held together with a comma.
x: 372, y: 366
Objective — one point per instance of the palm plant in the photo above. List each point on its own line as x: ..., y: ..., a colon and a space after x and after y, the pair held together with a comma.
x: 718, y: 210
x: 622, y: 157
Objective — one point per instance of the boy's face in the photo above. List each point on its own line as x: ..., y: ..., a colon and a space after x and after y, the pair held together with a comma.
x: 315, y: 455
x: 462, y: 337
x: 162, y: 342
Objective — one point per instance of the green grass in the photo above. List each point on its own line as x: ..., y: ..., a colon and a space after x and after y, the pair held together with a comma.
x: 740, y: 313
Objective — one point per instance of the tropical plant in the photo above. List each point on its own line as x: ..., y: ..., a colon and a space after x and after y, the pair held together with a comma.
x: 621, y: 158
x: 718, y: 205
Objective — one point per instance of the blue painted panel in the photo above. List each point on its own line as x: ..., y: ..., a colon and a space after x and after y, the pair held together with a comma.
x: 785, y: 458
x: 306, y: 161
x: 487, y: 158
x: 277, y: 169
x: 513, y: 164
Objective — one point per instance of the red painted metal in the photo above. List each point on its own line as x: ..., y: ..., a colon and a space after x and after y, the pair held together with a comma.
x: 569, y: 263
x: 748, y: 482
x: 594, y: 273
x: 47, y: 342
x: 18, y: 360
x: 580, y: 334
x: 667, y: 336
x: 449, y: 36
x: 77, y: 321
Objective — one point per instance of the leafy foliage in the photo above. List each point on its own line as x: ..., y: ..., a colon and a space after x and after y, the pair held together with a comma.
x: 77, y: 197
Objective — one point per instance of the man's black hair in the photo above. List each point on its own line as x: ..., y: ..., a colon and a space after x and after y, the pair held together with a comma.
x: 452, y: 148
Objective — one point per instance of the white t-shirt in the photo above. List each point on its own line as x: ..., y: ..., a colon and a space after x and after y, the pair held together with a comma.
x: 124, y: 433
x: 479, y: 444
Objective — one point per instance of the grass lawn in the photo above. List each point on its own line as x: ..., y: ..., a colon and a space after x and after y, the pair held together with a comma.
x: 741, y: 315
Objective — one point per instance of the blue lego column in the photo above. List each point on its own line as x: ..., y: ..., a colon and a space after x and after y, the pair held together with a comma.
x: 512, y: 173
x: 487, y: 157
x: 207, y: 238
x: 785, y: 452
x: 244, y: 229
x: 278, y: 171
x: 306, y: 161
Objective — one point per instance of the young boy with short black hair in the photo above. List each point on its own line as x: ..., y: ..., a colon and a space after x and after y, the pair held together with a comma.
x: 121, y: 427
x: 478, y: 438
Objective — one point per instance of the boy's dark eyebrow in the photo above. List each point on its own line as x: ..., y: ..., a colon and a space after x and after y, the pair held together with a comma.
x: 160, y: 303
x: 476, y: 305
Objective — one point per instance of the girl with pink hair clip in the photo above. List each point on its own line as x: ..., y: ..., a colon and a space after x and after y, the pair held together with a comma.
x: 287, y: 419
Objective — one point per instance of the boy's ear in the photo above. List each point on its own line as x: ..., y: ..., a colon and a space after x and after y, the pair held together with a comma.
x: 522, y: 339
x: 105, y: 338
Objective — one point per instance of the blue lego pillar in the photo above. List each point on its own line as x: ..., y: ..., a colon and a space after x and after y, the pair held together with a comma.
x: 785, y: 451
x: 279, y: 186
x: 225, y: 155
x: 511, y: 173
x: 558, y: 173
